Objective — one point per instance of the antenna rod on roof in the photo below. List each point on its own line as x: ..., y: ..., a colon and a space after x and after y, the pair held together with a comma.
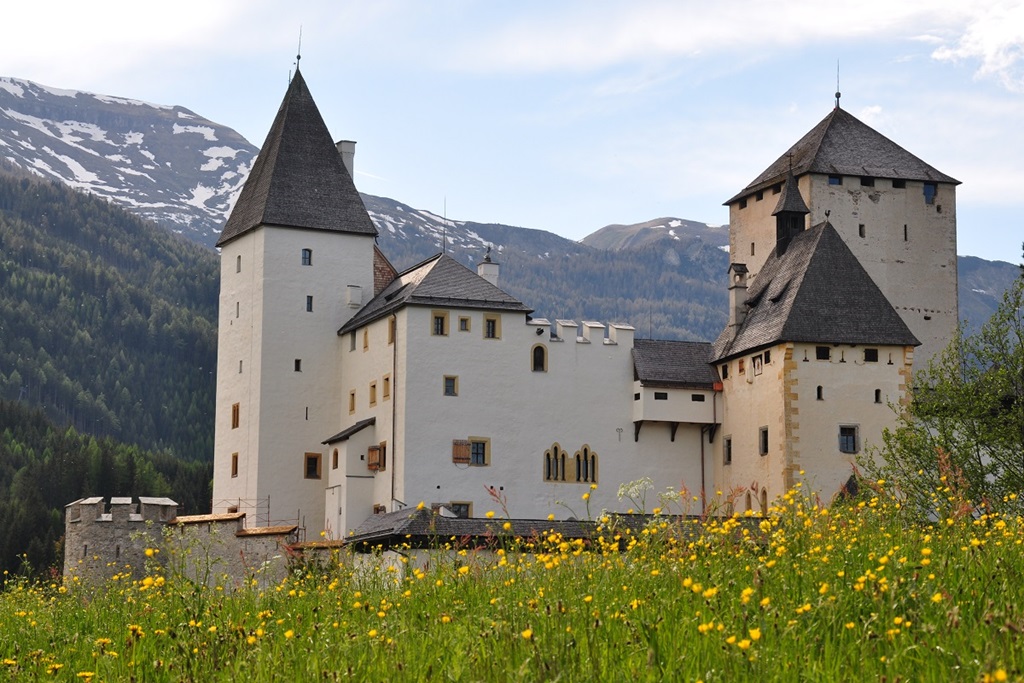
x: 298, y: 53
x: 444, y: 226
x: 838, y: 94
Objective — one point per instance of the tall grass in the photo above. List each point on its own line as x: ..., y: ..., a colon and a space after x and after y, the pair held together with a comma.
x: 854, y: 592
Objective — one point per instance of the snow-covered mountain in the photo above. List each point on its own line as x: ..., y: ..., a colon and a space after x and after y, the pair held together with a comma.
x: 164, y: 163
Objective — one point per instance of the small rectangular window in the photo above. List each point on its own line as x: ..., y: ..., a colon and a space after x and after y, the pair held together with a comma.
x: 743, y: 203
x: 463, y: 324
x: 822, y: 353
x: 727, y: 450
x: 238, y: 263
x: 867, y: 181
x: 366, y: 338
x: 725, y: 371
x: 234, y: 464
x: 759, y: 196
x: 758, y: 364
x: 307, y: 257
x: 777, y: 188
x: 660, y: 395
x: 352, y: 401
x: 905, y: 232
x: 899, y: 184
x: 870, y: 355
x: 698, y: 398
x: 309, y: 303
x: 236, y: 411
x: 238, y: 308
x: 848, y: 439
x: 239, y: 367
x: 460, y: 509
x: 767, y: 357
x: 636, y: 396
x: 451, y: 385
x: 312, y: 461
x: 352, y: 340
x: 479, y: 451
x: 762, y: 441
x: 386, y: 389
x: 930, y: 190
x: 373, y: 393
x: 383, y: 461
x: 835, y: 180
x: 298, y: 365
x: 861, y: 231
x: 492, y: 327
x: 751, y: 248
x: 439, y: 323
x: 392, y: 324
x: 334, y: 459
x: 741, y: 366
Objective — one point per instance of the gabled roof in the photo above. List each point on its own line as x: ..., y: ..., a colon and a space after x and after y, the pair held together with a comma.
x: 440, y: 281
x: 344, y: 434
x: 843, y: 145
x: 815, y: 292
x: 298, y: 179
x: 673, y: 364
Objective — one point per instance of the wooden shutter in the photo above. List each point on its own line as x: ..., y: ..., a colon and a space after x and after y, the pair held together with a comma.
x: 373, y: 458
x: 461, y: 451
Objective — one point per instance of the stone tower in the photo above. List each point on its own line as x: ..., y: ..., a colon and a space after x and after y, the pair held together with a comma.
x: 297, y: 257
x: 896, y: 213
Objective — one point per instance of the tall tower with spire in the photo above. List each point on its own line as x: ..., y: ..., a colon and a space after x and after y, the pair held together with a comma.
x: 297, y: 258
x: 896, y: 213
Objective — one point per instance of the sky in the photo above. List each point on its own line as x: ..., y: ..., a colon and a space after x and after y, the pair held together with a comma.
x: 571, y: 115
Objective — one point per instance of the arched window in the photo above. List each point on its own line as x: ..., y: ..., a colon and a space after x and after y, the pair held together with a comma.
x: 878, y: 395
x: 554, y: 463
x: 586, y: 465
x: 748, y: 501
x: 821, y: 393
x: 764, y: 501
x: 539, y: 358
x: 307, y: 257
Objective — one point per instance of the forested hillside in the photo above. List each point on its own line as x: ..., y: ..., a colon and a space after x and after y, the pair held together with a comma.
x: 106, y: 322
x: 43, y: 467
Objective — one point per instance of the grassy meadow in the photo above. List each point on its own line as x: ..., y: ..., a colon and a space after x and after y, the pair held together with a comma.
x: 857, y: 591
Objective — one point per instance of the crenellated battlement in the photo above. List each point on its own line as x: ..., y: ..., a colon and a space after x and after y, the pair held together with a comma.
x: 586, y: 332
x: 124, y: 537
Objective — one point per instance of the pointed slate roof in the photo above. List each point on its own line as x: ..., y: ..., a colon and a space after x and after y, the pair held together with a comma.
x: 658, y: 363
x: 440, y: 281
x: 815, y: 292
x: 841, y: 144
x: 298, y: 179
x: 791, y: 200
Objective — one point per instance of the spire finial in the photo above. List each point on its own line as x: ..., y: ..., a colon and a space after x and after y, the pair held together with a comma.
x: 838, y: 94
x: 298, y: 52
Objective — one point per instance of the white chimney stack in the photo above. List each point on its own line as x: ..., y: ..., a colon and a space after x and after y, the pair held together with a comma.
x: 737, y: 295
x: 347, y: 149
x: 488, y: 269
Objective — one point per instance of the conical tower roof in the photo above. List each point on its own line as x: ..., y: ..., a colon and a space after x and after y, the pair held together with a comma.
x: 298, y: 179
x: 842, y: 144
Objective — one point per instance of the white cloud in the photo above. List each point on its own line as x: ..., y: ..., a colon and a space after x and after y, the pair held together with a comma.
x: 995, y: 37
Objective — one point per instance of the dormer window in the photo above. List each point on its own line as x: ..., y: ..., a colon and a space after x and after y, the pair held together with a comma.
x: 835, y: 180
x: 307, y: 257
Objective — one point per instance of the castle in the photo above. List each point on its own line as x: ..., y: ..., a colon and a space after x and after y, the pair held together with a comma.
x: 345, y: 388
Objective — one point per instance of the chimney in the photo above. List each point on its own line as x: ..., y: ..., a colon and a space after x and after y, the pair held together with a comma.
x: 488, y: 269
x: 737, y: 295
x: 347, y: 150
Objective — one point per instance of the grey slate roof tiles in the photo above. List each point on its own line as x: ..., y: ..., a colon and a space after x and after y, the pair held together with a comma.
x: 298, y: 179
x: 439, y: 281
x: 816, y: 292
x: 427, y: 528
x: 841, y: 144
x: 673, y: 364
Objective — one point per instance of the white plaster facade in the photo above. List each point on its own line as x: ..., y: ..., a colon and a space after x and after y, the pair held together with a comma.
x: 460, y: 398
